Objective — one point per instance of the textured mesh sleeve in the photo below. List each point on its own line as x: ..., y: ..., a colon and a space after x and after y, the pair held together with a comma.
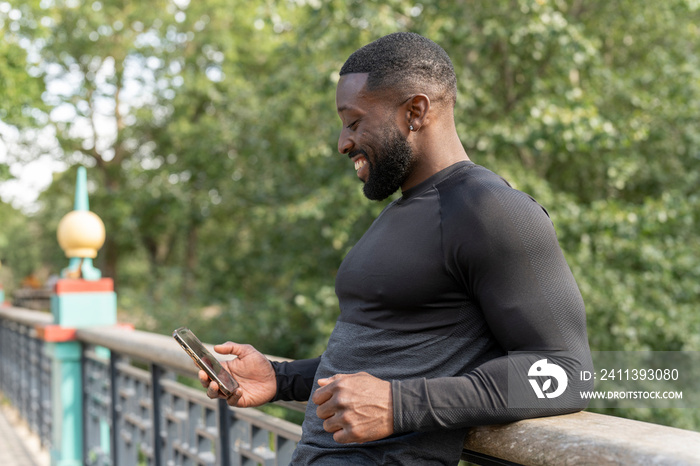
x: 503, y: 248
x: 295, y: 379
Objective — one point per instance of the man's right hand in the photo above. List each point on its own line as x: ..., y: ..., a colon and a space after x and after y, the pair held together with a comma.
x: 253, y: 372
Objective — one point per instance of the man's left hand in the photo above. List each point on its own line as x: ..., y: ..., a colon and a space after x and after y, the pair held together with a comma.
x: 356, y: 408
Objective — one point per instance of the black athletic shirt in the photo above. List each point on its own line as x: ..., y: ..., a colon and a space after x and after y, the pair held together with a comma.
x: 450, y: 278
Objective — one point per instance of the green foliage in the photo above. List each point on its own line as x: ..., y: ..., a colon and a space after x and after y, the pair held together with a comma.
x: 210, y: 128
x: 18, y: 255
x: 20, y: 86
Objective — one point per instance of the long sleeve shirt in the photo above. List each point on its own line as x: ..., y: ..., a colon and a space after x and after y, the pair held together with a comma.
x: 454, y: 294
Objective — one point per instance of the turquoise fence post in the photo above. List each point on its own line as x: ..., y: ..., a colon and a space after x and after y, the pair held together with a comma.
x: 81, y: 298
x: 2, y: 292
x: 66, y: 403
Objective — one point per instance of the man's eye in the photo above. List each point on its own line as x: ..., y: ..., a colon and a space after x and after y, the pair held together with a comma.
x: 353, y: 124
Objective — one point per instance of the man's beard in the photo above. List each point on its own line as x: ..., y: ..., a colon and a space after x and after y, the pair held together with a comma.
x: 391, y: 166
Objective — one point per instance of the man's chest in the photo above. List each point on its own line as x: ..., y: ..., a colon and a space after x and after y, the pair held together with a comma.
x: 397, y: 269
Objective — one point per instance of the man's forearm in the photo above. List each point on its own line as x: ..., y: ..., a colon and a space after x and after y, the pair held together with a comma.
x: 481, y: 397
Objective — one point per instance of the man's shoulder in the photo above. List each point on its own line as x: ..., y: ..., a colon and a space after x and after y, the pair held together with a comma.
x: 477, y: 195
x: 473, y: 184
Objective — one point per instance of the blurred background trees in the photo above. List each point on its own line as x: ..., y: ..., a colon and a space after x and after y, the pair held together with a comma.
x: 210, y: 131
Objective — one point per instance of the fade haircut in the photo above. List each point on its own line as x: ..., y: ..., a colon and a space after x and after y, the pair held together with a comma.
x: 405, y: 63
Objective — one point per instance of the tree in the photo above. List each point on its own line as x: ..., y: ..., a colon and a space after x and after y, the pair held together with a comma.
x: 226, y: 203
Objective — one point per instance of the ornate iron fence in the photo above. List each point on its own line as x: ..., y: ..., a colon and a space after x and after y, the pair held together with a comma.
x: 136, y: 408
x: 25, y: 374
x: 133, y: 390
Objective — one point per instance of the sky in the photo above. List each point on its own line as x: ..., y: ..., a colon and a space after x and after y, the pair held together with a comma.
x: 30, y: 177
x: 30, y: 180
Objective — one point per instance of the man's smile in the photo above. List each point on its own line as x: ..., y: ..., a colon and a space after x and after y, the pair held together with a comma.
x: 359, y: 157
x: 359, y: 163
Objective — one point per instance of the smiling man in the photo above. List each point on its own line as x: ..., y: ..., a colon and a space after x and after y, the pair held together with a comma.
x: 456, y: 282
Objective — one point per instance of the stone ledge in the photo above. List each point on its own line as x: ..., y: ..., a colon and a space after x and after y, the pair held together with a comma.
x: 586, y: 439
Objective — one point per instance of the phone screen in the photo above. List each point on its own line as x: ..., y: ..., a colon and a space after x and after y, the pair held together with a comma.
x: 205, y: 360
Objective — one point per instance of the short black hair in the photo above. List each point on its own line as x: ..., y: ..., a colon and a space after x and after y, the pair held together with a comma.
x: 405, y: 62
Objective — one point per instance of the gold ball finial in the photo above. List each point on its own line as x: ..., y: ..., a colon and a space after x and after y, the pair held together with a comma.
x: 80, y: 234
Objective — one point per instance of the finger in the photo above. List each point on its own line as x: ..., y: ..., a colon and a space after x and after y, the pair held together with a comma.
x: 235, y: 349
x: 331, y: 425
x: 327, y: 380
x: 203, y: 379
x: 213, y: 390
x: 227, y: 348
x: 326, y: 410
x: 322, y: 395
x: 235, y: 397
x: 342, y: 436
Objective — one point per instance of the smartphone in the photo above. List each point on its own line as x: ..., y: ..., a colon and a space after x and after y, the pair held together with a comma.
x: 205, y: 360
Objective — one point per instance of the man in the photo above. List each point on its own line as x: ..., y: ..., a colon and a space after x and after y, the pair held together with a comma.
x: 450, y: 278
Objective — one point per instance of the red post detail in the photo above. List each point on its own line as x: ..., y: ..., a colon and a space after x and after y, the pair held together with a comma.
x: 72, y: 285
x: 55, y: 333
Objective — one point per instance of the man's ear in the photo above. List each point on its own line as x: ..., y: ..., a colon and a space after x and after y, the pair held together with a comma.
x: 417, y: 111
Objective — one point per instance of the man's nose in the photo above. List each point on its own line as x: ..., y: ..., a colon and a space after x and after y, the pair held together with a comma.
x: 345, y: 142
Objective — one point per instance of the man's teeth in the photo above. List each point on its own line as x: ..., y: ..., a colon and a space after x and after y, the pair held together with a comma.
x: 360, y: 163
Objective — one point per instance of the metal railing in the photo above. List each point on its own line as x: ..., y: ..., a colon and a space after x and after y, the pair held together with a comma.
x: 161, y: 421
x: 136, y: 410
x: 37, y: 299
x: 25, y: 375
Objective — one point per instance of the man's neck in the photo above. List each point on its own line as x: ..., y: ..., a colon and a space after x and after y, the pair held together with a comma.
x: 435, y: 154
